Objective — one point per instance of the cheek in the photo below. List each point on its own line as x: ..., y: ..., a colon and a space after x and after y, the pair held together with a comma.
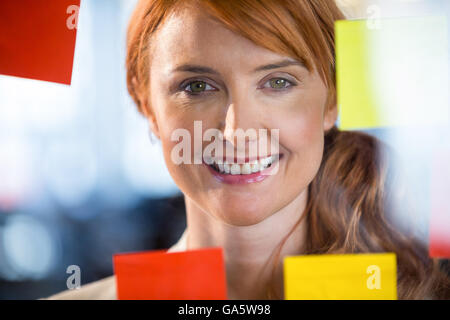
x: 302, y: 135
x: 170, y: 119
x: 303, y: 131
x: 174, y: 118
x: 183, y: 131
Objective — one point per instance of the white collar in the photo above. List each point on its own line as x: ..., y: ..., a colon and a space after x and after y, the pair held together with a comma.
x: 181, y: 243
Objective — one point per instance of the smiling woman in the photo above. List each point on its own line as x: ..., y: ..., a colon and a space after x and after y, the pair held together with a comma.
x: 255, y: 65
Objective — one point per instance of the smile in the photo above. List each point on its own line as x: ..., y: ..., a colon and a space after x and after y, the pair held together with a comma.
x: 247, y: 172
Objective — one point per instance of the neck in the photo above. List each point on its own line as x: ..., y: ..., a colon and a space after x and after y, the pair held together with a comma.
x: 251, y: 252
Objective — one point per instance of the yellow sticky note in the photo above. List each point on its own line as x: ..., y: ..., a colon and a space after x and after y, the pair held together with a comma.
x: 341, y: 277
x: 355, y: 90
x: 392, y: 73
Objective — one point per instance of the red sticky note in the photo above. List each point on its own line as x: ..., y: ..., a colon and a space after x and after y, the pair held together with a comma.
x: 159, y: 275
x: 37, y: 38
x: 440, y: 206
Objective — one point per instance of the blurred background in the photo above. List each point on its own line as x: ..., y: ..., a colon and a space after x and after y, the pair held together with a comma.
x: 80, y: 178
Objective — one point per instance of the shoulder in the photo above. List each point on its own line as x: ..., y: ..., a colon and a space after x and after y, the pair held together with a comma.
x: 105, y: 289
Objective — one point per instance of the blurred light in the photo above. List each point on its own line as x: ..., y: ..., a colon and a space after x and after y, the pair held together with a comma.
x: 393, y: 72
x: 440, y: 206
x: 411, y: 77
x: 29, y: 248
x: 417, y: 150
x: 15, y: 171
x: 71, y: 170
x: 38, y: 105
x: 143, y: 162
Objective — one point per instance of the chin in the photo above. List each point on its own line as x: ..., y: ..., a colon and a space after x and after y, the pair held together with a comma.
x: 242, y: 215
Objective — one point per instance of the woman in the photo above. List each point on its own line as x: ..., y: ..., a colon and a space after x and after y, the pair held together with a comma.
x: 263, y: 65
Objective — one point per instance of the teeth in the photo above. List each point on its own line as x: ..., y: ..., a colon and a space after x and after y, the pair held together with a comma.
x: 235, y: 169
x: 220, y: 165
x: 245, y: 168
x: 255, y: 166
x: 264, y: 162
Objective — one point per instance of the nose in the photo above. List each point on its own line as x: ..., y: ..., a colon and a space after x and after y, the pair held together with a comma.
x: 242, y: 124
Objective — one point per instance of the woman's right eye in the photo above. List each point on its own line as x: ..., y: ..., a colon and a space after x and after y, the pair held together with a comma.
x: 196, y: 87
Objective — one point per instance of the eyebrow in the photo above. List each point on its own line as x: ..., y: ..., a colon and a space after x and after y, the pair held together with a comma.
x: 195, y: 69
x: 280, y: 64
x: 201, y: 69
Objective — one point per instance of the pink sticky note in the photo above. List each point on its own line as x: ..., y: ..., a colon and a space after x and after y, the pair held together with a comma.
x: 158, y: 275
x: 440, y: 206
x: 37, y: 38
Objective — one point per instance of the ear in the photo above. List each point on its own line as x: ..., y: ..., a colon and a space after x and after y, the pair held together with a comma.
x: 146, y: 110
x: 154, y: 126
x: 150, y: 115
x: 330, y: 117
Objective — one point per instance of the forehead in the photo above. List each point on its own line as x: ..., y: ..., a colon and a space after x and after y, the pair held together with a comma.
x: 192, y: 36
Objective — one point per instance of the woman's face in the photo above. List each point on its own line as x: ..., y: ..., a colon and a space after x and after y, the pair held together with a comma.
x: 201, y: 71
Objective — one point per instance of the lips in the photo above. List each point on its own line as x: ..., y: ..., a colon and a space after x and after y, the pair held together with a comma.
x: 226, y: 167
x: 247, y: 172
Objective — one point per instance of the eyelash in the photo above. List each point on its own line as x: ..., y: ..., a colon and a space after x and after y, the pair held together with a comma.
x: 185, y: 85
x: 289, y: 82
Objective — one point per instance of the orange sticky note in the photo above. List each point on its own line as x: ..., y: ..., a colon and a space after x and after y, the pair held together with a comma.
x: 37, y: 38
x: 440, y: 206
x: 159, y: 275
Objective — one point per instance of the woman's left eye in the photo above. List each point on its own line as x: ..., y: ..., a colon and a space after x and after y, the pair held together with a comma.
x: 278, y: 83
